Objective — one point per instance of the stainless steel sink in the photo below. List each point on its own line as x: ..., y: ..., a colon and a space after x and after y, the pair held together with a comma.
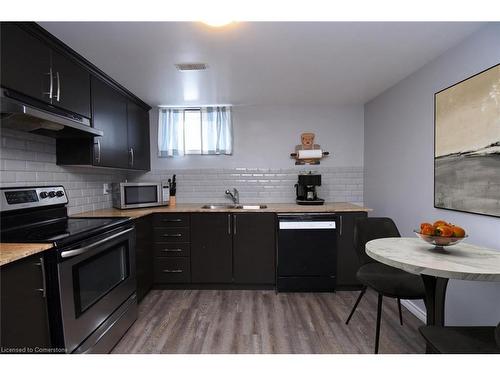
x: 221, y: 206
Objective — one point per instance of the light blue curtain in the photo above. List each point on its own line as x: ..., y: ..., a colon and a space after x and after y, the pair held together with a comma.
x: 170, y: 132
x: 216, y: 131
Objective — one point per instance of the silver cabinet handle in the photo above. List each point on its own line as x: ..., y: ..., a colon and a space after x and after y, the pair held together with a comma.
x: 98, y: 151
x: 172, y: 235
x: 172, y: 271
x: 171, y: 220
x: 132, y: 157
x: 43, y: 289
x: 234, y: 224
x: 340, y: 217
x: 51, y: 84
x: 81, y: 250
x: 171, y: 250
x: 228, y: 224
x: 58, y: 95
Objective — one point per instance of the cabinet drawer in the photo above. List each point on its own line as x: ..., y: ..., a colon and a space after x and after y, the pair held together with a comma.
x: 172, y: 249
x: 172, y: 270
x: 171, y: 234
x: 171, y: 220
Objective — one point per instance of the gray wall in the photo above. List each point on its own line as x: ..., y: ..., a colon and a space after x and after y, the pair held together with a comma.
x: 264, y: 137
x: 398, y: 180
x: 261, y: 167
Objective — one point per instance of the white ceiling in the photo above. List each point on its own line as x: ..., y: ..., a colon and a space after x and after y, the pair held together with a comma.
x: 260, y: 62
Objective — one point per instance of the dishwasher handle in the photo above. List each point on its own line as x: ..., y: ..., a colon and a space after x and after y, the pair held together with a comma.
x: 307, y: 225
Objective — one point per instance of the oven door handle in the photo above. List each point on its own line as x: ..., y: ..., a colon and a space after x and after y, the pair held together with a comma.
x: 81, y: 250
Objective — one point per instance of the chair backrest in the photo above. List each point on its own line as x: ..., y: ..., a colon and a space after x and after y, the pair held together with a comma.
x: 367, y: 229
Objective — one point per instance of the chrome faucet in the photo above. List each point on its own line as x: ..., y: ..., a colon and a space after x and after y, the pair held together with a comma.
x: 235, y: 195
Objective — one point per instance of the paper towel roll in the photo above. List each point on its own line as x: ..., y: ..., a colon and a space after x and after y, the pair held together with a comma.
x: 310, y: 154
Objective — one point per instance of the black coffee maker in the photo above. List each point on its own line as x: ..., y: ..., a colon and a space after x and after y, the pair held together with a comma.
x: 305, y: 189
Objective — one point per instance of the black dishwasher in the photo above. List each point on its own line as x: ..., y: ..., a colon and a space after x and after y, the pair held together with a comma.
x: 307, y: 252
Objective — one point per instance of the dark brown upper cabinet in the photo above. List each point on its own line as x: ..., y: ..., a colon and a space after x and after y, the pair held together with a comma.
x: 138, y: 137
x: 38, y: 68
x: 109, y: 114
x: 32, y: 68
x: 25, y: 63
x: 125, y: 142
x: 71, y: 89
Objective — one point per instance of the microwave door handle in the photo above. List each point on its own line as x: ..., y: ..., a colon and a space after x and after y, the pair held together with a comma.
x: 81, y: 250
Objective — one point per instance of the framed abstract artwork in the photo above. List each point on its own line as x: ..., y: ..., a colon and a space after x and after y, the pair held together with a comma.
x: 467, y: 145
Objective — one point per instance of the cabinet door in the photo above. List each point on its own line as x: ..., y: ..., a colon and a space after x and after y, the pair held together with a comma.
x: 211, y: 248
x: 254, y: 248
x: 109, y: 113
x: 24, y: 320
x: 347, y: 259
x: 144, y: 256
x: 138, y: 137
x: 25, y: 63
x: 71, y: 85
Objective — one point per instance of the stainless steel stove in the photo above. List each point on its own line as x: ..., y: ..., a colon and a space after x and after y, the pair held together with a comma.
x: 90, y: 271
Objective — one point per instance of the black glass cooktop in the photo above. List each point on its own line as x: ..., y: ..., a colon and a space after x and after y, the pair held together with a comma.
x: 62, y: 231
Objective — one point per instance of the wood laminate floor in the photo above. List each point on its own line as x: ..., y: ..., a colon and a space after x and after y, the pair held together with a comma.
x: 259, y: 321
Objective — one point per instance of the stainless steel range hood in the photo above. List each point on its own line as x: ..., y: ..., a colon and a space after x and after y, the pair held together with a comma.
x: 19, y: 115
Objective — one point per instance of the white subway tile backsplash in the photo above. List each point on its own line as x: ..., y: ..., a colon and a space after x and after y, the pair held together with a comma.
x: 28, y: 159
x: 259, y: 185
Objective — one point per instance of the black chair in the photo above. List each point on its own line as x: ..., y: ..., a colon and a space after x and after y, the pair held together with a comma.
x: 385, y: 280
x: 462, y: 340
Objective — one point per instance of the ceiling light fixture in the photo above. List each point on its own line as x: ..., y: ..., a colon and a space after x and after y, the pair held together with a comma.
x: 217, y: 22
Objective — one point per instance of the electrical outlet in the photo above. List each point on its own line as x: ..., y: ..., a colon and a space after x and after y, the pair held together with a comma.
x: 106, y: 189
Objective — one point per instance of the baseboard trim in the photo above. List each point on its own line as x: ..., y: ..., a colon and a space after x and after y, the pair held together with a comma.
x: 415, y: 310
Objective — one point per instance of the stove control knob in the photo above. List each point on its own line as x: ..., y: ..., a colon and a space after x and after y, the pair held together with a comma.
x: 43, y: 194
x: 59, y: 193
x: 52, y: 194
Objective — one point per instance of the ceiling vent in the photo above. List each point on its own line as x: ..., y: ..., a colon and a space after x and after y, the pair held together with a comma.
x: 186, y: 67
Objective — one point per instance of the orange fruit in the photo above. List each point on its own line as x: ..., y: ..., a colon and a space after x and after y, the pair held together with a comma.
x: 425, y: 225
x: 458, y: 231
x: 427, y: 230
x: 439, y: 223
x: 444, y: 231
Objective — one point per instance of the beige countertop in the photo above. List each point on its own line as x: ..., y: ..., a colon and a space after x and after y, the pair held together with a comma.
x: 196, y: 207
x: 9, y: 252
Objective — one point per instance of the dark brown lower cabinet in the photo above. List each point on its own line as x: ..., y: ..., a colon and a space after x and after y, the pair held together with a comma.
x: 234, y: 249
x: 172, y: 270
x: 254, y: 248
x: 23, y: 310
x: 211, y: 248
x: 144, y: 252
x: 347, y: 258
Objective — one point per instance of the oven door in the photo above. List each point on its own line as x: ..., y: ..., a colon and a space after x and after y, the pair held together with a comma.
x: 142, y: 194
x: 95, y: 278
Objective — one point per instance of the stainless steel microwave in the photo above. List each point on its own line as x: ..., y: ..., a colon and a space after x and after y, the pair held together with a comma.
x: 139, y: 194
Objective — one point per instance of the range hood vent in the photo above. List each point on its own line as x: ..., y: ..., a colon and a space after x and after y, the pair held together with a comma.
x: 18, y: 115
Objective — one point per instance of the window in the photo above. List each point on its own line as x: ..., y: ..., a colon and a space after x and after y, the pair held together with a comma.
x: 199, y: 131
x: 192, y: 131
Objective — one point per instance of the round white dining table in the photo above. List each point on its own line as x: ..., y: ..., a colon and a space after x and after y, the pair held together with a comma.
x: 436, y: 266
